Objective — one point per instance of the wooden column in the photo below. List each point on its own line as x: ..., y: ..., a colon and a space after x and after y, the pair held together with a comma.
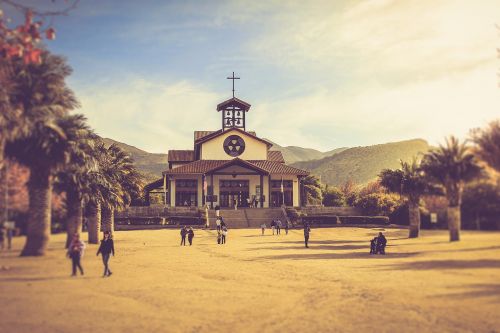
x: 203, y: 179
x: 169, y: 187
x: 164, y: 189
x: 213, y: 191
x: 261, y: 191
x: 269, y: 191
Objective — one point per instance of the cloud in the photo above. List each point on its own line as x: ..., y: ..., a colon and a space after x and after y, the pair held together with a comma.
x: 150, y: 115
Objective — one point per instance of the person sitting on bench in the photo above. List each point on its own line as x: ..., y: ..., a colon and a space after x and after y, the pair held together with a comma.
x: 381, y: 243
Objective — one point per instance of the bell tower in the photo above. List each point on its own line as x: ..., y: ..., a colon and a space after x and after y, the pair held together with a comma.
x: 233, y: 111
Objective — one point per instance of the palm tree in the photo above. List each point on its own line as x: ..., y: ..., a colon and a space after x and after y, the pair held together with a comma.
x: 75, y: 179
x: 312, y: 189
x: 488, y: 144
x: 410, y: 182
x: 451, y: 166
x: 44, y: 152
x: 118, y: 183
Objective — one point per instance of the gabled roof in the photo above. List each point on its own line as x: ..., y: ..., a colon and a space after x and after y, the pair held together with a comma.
x: 220, y: 132
x: 275, y: 156
x: 180, y: 155
x: 201, y: 134
x: 266, y: 167
x: 236, y: 102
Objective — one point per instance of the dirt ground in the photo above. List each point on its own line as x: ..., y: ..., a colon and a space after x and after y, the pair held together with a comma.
x: 259, y: 284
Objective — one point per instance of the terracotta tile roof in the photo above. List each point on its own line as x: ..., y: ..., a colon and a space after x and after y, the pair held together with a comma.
x: 180, y: 155
x: 234, y: 102
x: 205, y: 166
x: 275, y: 156
x: 279, y: 168
x: 201, y: 134
x: 220, y: 132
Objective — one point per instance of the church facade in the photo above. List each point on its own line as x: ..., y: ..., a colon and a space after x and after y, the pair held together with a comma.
x: 230, y: 167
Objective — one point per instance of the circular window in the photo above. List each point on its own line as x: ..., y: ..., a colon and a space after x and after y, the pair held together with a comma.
x: 234, y: 145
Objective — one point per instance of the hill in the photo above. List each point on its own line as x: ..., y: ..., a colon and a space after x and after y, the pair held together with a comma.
x: 150, y: 164
x: 363, y: 164
x: 294, y: 154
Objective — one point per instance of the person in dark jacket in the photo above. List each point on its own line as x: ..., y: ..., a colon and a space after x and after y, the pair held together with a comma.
x: 307, y: 230
x: 75, y: 252
x: 373, y: 246
x: 190, y: 236
x: 106, y: 248
x: 183, y: 236
x: 381, y: 243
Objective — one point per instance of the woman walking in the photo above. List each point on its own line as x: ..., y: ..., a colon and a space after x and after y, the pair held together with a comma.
x: 75, y: 252
x: 190, y: 236
x: 106, y: 248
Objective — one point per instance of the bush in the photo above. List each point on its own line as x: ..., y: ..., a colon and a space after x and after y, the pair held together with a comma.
x: 333, y: 197
x: 348, y: 220
x: 376, y: 204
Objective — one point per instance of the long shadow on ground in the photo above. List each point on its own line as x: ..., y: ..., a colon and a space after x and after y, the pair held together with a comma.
x: 351, y: 255
x: 475, y: 290
x: 447, y: 264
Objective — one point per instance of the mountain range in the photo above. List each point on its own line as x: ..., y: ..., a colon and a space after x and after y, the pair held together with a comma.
x: 335, y: 167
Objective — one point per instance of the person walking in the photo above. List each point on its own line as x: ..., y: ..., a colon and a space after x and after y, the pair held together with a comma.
x: 183, y: 236
x: 217, y: 222
x: 10, y: 234
x: 263, y: 227
x: 2, y: 236
x: 286, y: 227
x: 106, y: 248
x: 75, y: 252
x: 273, y: 225
x: 224, y: 235
x: 307, y: 230
x: 190, y: 235
x: 278, y: 227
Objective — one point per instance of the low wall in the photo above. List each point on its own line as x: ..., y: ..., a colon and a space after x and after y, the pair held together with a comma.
x: 339, y: 211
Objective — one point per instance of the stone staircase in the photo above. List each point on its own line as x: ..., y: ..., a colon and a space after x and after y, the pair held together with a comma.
x: 247, y: 217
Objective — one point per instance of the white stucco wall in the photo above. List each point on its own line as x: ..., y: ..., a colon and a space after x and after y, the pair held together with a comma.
x: 214, y: 150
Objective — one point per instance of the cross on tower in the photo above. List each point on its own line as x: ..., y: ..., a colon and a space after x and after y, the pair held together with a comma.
x: 233, y: 78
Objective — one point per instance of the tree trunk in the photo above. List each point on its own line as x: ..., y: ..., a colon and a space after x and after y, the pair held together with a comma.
x: 108, y: 219
x: 39, y: 215
x: 94, y: 222
x: 4, y: 178
x: 74, y: 218
x: 454, y: 221
x: 414, y: 218
x: 477, y: 221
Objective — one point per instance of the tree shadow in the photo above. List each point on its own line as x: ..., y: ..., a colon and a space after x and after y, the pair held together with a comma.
x: 323, y: 256
x: 327, y: 242
x: 46, y: 278
x: 317, y: 247
x: 476, y: 290
x: 447, y: 264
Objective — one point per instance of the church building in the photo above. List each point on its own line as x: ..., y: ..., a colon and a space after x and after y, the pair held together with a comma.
x: 230, y: 167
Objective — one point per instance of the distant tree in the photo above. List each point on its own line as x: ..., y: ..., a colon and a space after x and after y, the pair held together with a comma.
x: 451, y: 166
x: 312, y: 188
x: 380, y: 203
x: 370, y: 188
x: 333, y: 197
x: 480, y: 199
x: 488, y: 144
x: 409, y: 181
x: 349, y: 189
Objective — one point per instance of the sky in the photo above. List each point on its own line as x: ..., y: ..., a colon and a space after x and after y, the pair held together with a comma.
x: 318, y: 74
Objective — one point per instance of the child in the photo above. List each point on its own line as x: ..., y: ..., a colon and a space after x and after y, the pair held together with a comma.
x: 373, y: 246
x: 190, y: 236
x: 219, y: 236
x: 75, y: 252
x: 106, y: 248
x: 263, y: 227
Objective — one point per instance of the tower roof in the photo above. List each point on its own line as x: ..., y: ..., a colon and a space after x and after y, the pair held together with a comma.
x: 234, y: 102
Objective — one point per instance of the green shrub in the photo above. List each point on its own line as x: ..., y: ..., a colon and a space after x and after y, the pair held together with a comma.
x: 376, y: 204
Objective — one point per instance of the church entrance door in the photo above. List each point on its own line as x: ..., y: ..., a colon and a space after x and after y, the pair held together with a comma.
x: 233, y: 192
